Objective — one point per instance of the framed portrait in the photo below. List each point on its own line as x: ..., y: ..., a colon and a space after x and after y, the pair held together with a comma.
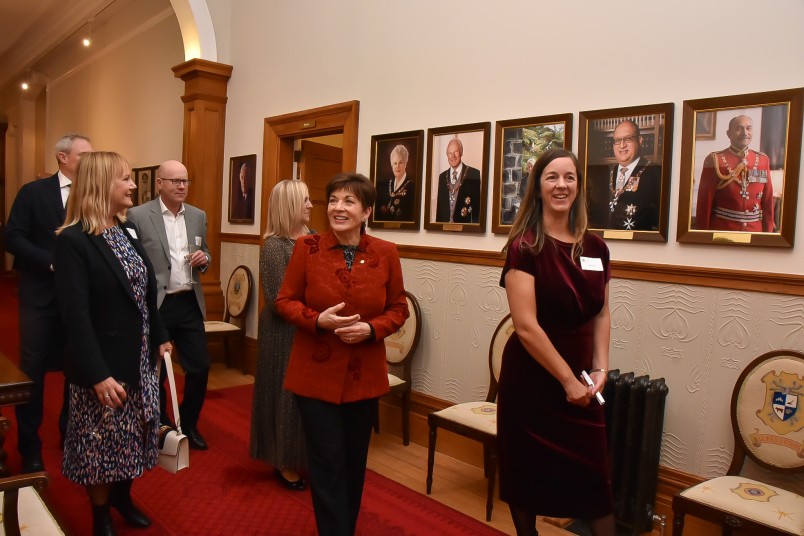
x: 145, y: 179
x: 625, y: 155
x: 396, y: 166
x: 242, y: 175
x: 457, y: 163
x: 740, y: 185
x: 518, y: 143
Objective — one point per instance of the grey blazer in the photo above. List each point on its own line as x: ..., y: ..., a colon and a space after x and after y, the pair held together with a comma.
x: 151, y: 226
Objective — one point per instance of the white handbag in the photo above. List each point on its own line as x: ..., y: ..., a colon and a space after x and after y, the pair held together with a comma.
x: 174, y: 449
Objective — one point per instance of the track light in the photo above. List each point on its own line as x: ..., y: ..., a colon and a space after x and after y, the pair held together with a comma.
x: 24, y: 86
x: 87, y: 40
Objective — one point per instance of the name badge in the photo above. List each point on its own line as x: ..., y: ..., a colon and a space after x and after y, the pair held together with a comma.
x: 591, y: 263
x: 133, y: 233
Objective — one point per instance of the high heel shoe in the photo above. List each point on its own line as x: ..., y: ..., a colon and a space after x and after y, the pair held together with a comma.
x: 295, y: 485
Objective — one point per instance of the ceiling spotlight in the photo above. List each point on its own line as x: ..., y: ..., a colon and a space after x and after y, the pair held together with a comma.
x: 24, y: 86
x: 86, y: 42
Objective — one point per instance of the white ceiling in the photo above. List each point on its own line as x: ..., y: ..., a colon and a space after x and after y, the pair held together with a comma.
x: 29, y: 29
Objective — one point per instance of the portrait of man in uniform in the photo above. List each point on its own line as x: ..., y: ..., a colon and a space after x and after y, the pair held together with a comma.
x: 735, y: 191
x: 740, y: 158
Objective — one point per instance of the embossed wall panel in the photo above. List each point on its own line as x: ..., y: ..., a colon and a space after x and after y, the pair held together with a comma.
x: 698, y: 338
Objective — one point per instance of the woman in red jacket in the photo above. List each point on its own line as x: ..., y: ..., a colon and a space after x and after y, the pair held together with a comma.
x: 343, y: 291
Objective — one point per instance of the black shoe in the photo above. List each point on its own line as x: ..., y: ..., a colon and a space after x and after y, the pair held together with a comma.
x: 32, y: 463
x: 120, y: 499
x: 195, y: 439
x: 295, y: 485
x: 102, y: 521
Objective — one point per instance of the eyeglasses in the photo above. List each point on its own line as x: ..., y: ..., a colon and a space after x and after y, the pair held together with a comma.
x: 628, y: 140
x: 177, y: 182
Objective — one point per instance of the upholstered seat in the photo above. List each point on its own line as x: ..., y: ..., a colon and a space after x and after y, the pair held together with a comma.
x: 476, y: 420
x: 23, y: 508
x: 232, y: 328
x: 768, y: 427
x: 399, y: 350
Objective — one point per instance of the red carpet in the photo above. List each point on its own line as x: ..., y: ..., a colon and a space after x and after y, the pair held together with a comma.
x: 224, y: 492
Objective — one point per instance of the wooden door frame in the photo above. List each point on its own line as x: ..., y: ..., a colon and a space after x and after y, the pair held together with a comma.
x: 281, y: 132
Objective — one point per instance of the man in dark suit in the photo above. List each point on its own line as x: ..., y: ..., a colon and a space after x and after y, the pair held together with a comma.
x: 627, y: 195
x: 458, y: 189
x: 174, y: 235
x: 37, y: 212
x: 243, y: 203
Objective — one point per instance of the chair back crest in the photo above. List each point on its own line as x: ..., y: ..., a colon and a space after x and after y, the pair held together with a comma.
x: 498, y: 341
x: 767, y: 411
x: 400, y: 346
x: 238, y: 292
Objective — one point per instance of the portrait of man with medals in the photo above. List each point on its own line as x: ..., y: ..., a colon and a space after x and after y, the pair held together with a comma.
x: 736, y: 192
x: 631, y: 197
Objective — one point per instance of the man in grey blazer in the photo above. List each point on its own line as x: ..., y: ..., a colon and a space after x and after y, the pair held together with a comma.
x: 174, y: 235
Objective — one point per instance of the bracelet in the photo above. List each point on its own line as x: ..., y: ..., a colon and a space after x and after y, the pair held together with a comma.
x: 604, y: 371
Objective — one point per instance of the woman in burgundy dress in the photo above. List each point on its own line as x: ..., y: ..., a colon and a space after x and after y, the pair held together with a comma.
x: 551, y: 429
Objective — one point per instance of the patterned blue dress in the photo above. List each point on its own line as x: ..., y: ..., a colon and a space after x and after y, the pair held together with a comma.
x: 105, y: 445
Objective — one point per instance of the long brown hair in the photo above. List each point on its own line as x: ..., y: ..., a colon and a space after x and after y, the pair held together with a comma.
x: 531, y: 211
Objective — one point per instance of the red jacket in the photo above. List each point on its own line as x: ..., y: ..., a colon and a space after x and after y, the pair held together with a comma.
x: 321, y: 366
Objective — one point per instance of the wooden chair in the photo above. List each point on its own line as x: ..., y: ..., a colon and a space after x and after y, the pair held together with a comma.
x: 237, y: 297
x: 399, y: 350
x: 767, y: 418
x: 475, y: 420
x: 23, y: 507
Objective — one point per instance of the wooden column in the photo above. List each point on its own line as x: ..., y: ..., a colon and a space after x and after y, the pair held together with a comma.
x: 205, y: 85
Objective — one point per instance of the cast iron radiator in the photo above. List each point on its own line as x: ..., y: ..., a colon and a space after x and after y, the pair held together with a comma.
x: 634, y: 420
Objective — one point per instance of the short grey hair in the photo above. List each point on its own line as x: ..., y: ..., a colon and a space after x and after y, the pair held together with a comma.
x: 402, y: 151
x: 65, y: 143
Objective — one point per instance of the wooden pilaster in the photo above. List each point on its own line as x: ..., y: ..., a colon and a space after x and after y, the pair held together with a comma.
x: 205, y: 86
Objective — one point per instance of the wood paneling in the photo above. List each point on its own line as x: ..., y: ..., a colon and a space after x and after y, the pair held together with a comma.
x: 769, y: 282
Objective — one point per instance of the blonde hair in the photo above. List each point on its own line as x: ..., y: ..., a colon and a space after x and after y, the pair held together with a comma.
x: 90, y: 197
x: 531, y: 212
x: 285, y: 206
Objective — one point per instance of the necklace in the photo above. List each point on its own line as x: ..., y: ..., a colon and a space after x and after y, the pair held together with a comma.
x: 631, y: 185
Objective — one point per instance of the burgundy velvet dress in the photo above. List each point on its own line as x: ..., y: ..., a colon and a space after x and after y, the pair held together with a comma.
x: 553, y: 455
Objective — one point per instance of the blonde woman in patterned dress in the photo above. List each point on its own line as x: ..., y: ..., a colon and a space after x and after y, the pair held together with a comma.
x: 276, y: 433
x: 106, y: 291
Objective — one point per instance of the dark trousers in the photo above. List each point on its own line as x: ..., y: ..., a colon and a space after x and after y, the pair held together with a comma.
x: 185, y: 324
x: 41, y: 349
x: 338, y: 437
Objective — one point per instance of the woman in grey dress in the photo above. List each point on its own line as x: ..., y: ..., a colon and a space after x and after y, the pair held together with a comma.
x: 276, y: 432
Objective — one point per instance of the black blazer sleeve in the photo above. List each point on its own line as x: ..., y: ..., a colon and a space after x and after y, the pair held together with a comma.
x: 102, y: 322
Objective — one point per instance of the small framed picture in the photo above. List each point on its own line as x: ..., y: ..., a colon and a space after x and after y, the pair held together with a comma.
x: 396, y: 166
x: 456, y: 178
x: 145, y: 179
x: 739, y: 184
x: 518, y: 143
x: 242, y: 174
x: 625, y: 155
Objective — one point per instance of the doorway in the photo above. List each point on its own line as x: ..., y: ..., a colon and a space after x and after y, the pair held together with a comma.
x: 282, y: 133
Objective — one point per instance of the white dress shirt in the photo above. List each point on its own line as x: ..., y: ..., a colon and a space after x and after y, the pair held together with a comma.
x: 176, y: 231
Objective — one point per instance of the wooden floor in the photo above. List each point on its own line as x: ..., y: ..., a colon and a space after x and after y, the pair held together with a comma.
x: 456, y: 484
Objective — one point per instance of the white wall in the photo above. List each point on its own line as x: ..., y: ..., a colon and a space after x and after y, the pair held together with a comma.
x: 124, y: 96
x: 429, y: 64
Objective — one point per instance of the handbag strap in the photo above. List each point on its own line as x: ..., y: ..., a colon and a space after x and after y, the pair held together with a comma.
x: 172, y: 385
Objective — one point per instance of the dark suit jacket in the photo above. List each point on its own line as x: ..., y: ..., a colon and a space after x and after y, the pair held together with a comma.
x: 637, y: 210
x: 322, y: 366
x: 465, y: 211
x: 31, y: 237
x: 151, y: 226
x: 101, y: 318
